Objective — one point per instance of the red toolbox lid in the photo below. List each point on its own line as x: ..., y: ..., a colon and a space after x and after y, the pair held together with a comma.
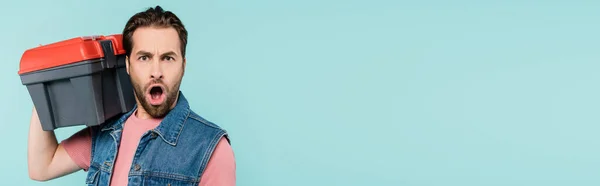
x: 67, y: 51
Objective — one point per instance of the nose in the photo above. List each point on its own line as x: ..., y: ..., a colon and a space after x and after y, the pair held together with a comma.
x: 156, y: 71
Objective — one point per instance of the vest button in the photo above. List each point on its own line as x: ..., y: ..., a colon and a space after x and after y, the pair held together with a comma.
x: 137, y: 167
x: 153, y: 134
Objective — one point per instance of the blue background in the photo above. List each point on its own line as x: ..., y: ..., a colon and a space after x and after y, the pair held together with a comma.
x: 332, y: 92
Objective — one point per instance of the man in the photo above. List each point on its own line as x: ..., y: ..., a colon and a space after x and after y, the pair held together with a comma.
x: 161, y: 141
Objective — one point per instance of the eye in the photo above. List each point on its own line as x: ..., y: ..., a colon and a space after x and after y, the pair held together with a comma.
x: 143, y: 58
x: 168, y: 58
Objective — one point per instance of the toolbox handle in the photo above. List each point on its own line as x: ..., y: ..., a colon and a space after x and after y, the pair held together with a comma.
x: 110, y: 60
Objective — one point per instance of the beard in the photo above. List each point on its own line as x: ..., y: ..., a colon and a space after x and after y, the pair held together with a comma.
x: 156, y: 111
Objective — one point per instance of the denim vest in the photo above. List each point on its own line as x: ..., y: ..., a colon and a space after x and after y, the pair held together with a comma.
x: 174, y: 153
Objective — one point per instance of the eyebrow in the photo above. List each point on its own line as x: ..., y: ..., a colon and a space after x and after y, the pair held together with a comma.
x: 149, y: 54
x: 169, y: 53
x: 144, y: 53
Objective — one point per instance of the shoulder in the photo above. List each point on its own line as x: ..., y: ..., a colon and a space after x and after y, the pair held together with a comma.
x: 199, y: 120
x: 199, y: 124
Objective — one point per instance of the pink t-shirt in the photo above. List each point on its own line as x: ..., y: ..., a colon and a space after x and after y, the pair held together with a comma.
x: 220, y: 169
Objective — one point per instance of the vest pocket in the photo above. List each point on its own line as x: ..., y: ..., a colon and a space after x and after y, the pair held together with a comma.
x: 92, y: 176
x: 154, y: 180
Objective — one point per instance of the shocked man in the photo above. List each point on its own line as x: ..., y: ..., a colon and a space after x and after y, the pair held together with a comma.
x: 161, y: 141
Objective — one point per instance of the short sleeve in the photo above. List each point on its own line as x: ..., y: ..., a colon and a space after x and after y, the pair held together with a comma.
x: 221, y: 166
x: 79, y: 147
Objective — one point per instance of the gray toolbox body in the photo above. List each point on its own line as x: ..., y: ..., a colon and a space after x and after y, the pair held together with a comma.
x: 87, y: 92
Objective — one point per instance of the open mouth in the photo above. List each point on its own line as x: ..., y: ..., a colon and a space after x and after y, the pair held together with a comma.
x: 156, y: 95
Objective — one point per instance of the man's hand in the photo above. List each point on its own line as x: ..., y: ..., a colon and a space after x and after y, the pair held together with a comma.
x: 45, y: 157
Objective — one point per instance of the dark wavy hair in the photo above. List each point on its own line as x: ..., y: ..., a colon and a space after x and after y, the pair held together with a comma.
x: 153, y: 17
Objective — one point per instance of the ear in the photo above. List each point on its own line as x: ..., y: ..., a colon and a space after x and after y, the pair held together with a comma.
x: 184, y: 62
x: 127, y: 64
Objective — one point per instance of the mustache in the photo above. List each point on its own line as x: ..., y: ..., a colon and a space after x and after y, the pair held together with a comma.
x: 156, y: 81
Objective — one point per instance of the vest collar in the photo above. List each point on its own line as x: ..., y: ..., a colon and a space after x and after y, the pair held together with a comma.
x: 168, y: 129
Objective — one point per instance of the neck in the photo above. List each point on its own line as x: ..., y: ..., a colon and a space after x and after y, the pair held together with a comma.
x: 141, y: 113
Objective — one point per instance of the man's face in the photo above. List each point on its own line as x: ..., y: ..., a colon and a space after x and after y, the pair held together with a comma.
x: 156, y: 68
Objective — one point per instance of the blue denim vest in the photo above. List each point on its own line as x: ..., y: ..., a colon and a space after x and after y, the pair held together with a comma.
x: 174, y: 153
